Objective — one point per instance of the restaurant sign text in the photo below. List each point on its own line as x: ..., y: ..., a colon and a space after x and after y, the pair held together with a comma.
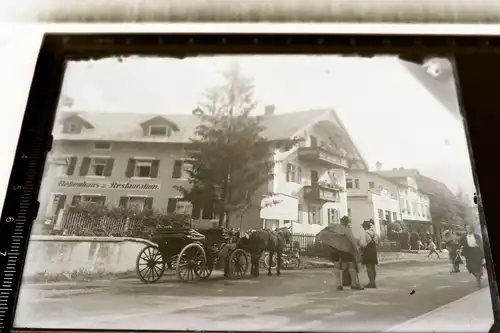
x: 107, y: 185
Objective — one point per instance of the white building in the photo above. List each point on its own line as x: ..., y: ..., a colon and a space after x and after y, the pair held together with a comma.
x: 414, y: 202
x: 310, y: 178
x: 372, y: 196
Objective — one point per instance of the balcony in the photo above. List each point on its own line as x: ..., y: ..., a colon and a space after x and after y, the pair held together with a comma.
x: 317, y: 192
x: 322, y: 156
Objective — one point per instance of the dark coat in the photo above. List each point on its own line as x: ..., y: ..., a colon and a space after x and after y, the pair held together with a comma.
x: 467, y: 250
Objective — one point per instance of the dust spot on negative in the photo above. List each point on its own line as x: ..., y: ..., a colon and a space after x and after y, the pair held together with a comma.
x: 412, y: 292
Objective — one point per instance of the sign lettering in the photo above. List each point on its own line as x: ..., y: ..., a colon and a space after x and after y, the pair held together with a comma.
x: 108, y: 185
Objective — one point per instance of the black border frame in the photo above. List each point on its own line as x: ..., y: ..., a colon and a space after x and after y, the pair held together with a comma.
x: 476, y: 58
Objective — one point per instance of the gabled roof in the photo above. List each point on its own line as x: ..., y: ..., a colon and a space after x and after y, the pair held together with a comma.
x: 161, y: 119
x: 70, y: 116
x: 425, y: 184
x: 434, y: 187
x: 127, y: 126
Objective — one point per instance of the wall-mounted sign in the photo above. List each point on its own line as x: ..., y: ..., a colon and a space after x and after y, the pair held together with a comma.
x: 107, y: 185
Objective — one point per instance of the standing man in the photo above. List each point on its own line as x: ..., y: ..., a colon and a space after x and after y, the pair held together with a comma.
x: 472, y: 249
x: 368, y: 242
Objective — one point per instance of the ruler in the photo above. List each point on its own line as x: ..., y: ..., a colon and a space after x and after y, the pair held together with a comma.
x: 20, y: 208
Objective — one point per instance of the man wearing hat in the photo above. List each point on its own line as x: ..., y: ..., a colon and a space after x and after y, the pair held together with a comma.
x: 368, y: 242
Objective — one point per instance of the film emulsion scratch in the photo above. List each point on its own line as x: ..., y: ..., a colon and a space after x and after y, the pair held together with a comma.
x: 309, y: 191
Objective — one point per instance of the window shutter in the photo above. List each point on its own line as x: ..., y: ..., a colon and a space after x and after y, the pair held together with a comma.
x: 129, y: 173
x: 102, y: 200
x: 76, y: 200
x: 172, y: 205
x: 155, y: 166
x: 84, y: 168
x: 71, y: 167
x: 148, y: 203
x: 108, y: 169
x: 60, y: 204
x: 123, y: 202
x: 288, y: 172
x: 177, y: 172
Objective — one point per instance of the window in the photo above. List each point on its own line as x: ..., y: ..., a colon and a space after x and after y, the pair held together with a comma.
x: 178, y: 170
x: 408, y: 208
x: 178, y: 206
x: 371, y: 184
x: 97, y: 167
x: 72, y: 128
x: 414, y: 209
x: 333, y: 216
x: 349, y: 213
x: 183, y: 207
x: 300, y: 209
x: 299, y: 175
x: 290, y: 172
x: 65, y: 166
x: 315, y: 215
x: 102, y: 146
x: 143, y: 168
x: 138, y: 203
x: 89, y: 199
x: 58, y: 201
x: 348, y: 183
x: 157, y: 130
x: 388, y: 216
x: 286, y: 221
x: 394, y: 216
x: 380, y: 214
x: 356, y: 183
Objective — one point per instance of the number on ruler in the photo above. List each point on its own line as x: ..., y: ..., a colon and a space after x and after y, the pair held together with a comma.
x: 23, y: 156
x: 4, y: 254
x: 9, y: 219
x: 17, y: 187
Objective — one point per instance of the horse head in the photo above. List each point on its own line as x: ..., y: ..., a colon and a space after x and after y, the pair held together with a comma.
x: 286, y: 232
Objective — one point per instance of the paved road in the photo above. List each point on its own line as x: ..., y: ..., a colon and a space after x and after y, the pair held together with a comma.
x: 297, y: 301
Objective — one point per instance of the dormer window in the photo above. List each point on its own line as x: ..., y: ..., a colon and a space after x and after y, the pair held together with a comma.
x: 159, y: 130
x: 72, y: 128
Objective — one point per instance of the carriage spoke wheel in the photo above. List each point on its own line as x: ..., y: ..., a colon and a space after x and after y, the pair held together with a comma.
x: 238, y: 263
x: 191, y: 263
x: 150, y: 265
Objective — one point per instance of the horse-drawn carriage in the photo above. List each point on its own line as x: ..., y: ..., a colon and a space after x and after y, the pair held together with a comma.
x: 194, y: 254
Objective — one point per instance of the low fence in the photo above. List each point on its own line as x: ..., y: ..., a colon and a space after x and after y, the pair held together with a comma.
x: 305, y: 242
x: 77, y: 224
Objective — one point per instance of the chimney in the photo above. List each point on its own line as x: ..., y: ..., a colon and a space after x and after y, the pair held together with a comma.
x: 401, y: 168
x: 378, y: 166
x: 269, y: 110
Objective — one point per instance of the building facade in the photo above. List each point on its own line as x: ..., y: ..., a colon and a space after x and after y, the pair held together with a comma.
x: 371, y: 196
x: 413, y: 201
x: 138, y: 160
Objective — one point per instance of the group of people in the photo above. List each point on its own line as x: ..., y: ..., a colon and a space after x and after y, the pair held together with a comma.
x: 347, y: 258
x: 363, y: 251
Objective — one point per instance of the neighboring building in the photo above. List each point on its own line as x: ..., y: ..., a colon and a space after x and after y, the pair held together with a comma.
x: 137, y: 159
x: 372, y: 196
x: 413, y: 200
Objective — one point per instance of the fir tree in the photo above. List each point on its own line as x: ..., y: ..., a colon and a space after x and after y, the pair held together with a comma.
x: 232, y: 163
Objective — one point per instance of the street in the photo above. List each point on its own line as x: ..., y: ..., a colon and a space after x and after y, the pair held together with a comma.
x: 303, y: 300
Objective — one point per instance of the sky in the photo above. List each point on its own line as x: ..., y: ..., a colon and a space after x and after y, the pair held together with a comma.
x: 389, y: 115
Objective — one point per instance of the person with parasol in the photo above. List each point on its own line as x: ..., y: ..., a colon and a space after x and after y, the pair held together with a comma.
x: 368, y: 242
x: 339, y: 245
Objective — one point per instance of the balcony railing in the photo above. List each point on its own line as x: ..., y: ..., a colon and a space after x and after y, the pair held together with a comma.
x: 317, y: 192
x: 323, y: 156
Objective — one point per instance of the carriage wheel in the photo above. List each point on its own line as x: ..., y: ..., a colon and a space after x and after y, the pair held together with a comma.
x: 191, y: 263
x: 150, y: 265
x: 238, y: 263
